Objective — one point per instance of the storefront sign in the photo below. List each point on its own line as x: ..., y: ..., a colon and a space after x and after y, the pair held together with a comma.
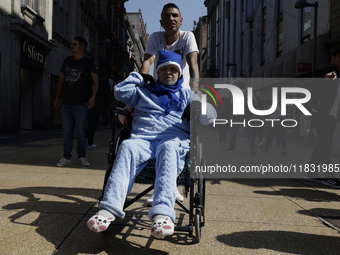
x: 33, y: 54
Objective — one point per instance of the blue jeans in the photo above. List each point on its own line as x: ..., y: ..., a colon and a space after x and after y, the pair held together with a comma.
x: 74, y: 116
x: 281, y: 136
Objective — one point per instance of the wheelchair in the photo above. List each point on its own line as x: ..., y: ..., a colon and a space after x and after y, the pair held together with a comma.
x: 194, y: 183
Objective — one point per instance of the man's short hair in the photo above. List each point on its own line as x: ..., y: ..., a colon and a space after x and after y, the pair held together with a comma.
x: 81, y: 40
x: 170, y: 5
x: 336, y: 51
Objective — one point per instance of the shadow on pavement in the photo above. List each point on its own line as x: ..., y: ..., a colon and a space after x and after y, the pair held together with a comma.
x: 306, y: 194
x: 321, y: 212
x: 114, y: 241
x: 59, y: 215
x: 267, y: 182
x: 52, y: 212
x: 283, y: 241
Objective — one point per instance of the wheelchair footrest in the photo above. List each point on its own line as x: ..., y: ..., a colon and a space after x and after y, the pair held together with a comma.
x: 184, y: 228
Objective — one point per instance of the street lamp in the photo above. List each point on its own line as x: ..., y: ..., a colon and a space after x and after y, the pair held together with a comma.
x: 300, y: 4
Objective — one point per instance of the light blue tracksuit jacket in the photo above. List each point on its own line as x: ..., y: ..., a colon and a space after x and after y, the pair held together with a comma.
x: 154, y: 134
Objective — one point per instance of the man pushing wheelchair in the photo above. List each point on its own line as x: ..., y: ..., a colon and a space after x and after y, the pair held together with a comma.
x: 160, y: 131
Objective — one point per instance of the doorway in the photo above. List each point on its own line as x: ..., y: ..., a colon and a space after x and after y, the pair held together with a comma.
x: 26, y: 98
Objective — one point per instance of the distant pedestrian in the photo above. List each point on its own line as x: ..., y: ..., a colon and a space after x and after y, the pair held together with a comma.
x: 258, y: 131
x: 223, y: 113
x: 79, y: 84
x: 279, y: 130
x: 238, y: 119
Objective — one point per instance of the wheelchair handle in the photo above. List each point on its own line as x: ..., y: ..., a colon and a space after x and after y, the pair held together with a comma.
x: 122, y: 111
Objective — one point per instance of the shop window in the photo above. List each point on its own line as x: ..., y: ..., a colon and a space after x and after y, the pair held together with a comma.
x: 34, y: 9
x: 30, y: 3
x: 36, y: 5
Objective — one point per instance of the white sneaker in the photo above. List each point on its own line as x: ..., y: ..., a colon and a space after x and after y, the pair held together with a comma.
x: 83, y: 161
x: 178, y: 197
x: 92, y: 146
x: 64, y: 162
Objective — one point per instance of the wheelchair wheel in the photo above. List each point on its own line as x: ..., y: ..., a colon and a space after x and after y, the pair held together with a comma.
x: 203, y: 183
x: 198, y: 229
x: 199, y: 203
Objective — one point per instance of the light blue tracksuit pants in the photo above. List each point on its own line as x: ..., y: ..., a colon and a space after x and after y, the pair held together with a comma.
x: 133, y: 155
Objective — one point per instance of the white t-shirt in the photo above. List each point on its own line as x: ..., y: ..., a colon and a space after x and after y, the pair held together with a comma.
x: 185, y: 44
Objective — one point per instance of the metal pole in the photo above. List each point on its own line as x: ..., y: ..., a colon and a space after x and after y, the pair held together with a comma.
x: 316, y: 4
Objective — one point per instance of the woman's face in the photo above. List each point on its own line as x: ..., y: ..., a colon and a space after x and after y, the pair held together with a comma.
x: 168, y: 75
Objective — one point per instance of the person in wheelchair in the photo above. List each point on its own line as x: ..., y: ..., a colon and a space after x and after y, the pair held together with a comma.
x: 159, y: 131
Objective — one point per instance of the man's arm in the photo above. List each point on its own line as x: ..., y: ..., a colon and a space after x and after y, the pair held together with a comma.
x: 148, y: 60
x: 193, y: 65
x: 194, y: 71
x: 95, y: 86
x: 59, y: 90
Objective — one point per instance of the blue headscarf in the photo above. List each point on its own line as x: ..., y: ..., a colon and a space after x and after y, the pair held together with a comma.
x: 165, y: 93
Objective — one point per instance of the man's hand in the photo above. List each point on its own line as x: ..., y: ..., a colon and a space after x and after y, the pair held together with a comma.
x: 59, y: 90
x: 91, y: 102
x: 331, y: 75
x: 199, y: 93
x: 194, y: 85
x: 57, y: 102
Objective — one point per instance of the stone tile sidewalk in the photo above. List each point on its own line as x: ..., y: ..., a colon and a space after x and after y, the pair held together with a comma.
x: 44, y: 209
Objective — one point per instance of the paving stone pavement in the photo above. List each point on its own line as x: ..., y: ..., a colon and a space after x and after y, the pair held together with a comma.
x: 44, y: 209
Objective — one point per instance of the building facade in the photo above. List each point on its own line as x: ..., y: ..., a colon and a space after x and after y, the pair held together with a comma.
x: 139, y: 39
x: 26, y: 41
x: 266, y: 38
x: 35, y: 40
x: 200, y: 33
x: 271, y: 39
